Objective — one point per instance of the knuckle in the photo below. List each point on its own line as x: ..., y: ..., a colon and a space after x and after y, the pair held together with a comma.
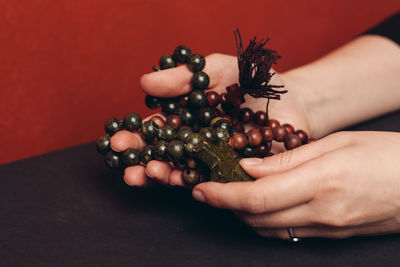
x: 285, y: 158
x: 255, y: 203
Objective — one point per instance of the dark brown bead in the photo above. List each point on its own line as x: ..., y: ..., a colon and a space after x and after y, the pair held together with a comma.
x: 158, y: 120
x: 191, y: 177
x: 289, y: 128
x: 239, y: 141
x: 183, y: 101
x: 292, y: 141
x: 279, y: 133
x: 270, y: 154
x: 212, y: 99
x: 246, y: 115
x: 273, y: 123
x: 179, y: 164
x: 225, y: 104
x: 310, y: 140
x: 174, y: 120
x: 303, y: 136
x: 239, y: 126
x: 260, y: 118
x: 262, y: 151
x: 267, y: 134
x: 254, y: 137
x: 248, y: 152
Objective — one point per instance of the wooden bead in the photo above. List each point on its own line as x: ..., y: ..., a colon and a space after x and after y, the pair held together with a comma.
x: 267, y: 134
x: 191, y: 177
x: 191, y: 163
x: 289, y: 128
x: 273, y: 123
x: 158, y: 120
x: 212, y: 99
x: 246, y: 115
x: 254, y: 137
x: 225, y: 104
x: 310, y: 140
x: 239, y: 126
x: 292, y: 141
x: 279, y: 133
x: 183, y: 101
x: 303, y: 136
x: 262, y: 151
x: 260, y: 118
x: 227, y: 117
x: 174, y: 120
x: 239, y: 141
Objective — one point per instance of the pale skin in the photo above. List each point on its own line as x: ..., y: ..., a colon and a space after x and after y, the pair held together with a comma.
x: 345, y: 184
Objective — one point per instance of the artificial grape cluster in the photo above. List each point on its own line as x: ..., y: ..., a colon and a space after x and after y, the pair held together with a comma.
x: 192, y: 119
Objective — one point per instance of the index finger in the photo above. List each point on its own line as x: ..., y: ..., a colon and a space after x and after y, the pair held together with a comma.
x: 272, y: 193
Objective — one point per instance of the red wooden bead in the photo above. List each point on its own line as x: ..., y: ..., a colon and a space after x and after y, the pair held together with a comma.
x: 303, y: 136
x: 158, y: 120
x: 260, y: 118
x: 292, y: 141
x: 279, y: 133
x: 225, y: 104
x: 267, y: 134
x: 175, y: 121
x: 239, y: 141
x: 310, y: 140
x: 212, y: 99
x: 183, y: 101
x: 262, y: 151
x: 230, y: 141
x: 246, y: 115
x: 289, y: 128
x: 273, y: 123
x: 238, y: 125
x: 254, y: 137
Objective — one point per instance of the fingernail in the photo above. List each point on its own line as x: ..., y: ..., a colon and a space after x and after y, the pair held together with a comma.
x: 198, y: 196
x: 251, y: 161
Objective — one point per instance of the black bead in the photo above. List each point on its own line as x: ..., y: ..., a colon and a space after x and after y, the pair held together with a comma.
x: 131, y: 157
x: 167, y: 133
x: 209, y: 134
x: 103, y: 144
x: 176, y: 150
x: 167, y: 62
x: 170, y: 108
x: 112, y: 160
x: 180, y: 164
x: 112, y: 126
x: 183, y: 133
x: 222, y: 134
x: 187, y: 117
x: 200, y: 80
x: 160, y: 150
x: 197, y: 99
x: 249, y: 152
x: 150, y: 130
x: 224, y: 124
x: 147, y: 154
x: 132, y: 122
x: 205, y: 116
x: 196, y: 62
x: 182, y: 54
x: 152, y: 102
x: 192, y: 142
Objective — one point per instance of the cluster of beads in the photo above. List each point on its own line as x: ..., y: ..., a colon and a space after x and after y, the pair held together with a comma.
x: 192, y: 118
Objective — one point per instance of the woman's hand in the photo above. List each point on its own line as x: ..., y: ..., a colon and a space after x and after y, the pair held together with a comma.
x: 223, y: 71
x: 343, y: 185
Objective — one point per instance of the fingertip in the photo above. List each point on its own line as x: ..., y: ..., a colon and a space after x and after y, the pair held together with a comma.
x: 158, y: 170
x: 124, y: 140
x: 175, y: 178
x: 135, y: 176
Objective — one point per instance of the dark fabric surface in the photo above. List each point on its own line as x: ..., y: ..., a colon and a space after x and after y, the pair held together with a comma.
x: 67, y: 209
x: 390, y: 28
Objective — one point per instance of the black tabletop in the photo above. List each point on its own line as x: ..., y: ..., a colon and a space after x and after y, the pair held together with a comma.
x: 67, y: 209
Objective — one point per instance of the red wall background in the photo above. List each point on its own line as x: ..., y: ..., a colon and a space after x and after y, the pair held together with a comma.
x: 68, y: 65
